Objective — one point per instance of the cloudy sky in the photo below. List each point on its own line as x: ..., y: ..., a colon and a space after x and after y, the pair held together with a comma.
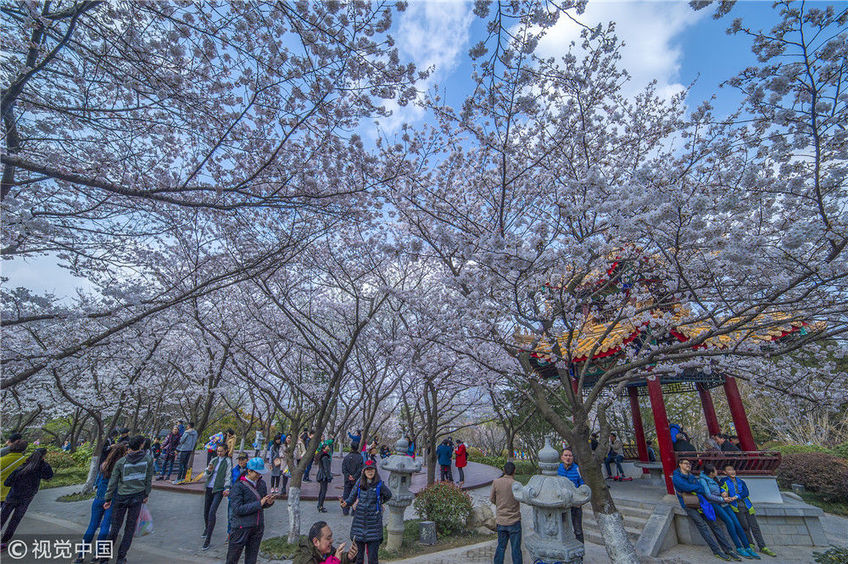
x: 664, y: 40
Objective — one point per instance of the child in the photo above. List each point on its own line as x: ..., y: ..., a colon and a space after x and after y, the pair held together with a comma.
x: 743, y: 508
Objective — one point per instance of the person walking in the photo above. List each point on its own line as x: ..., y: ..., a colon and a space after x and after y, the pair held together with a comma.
x: 185, y: 448
x: 615, y: 454
x: 273, y: 456
x: 317, y: 547
x: 9, y: 462
x: 351, y: 471
x: 721, y: 506
x: 699, y: 510
x: 169, y: 452
x: 23, y: 483
x: 369, y: 495
x: 218, y: 482
x: 325, y: 475
x: 239, y: 470
x: 461, y: 460
x: 129, y: 487
x: 570, y: 469
x: 249, y: 497
x: 507, y: 515
x: 101, y: 518
x: 444, y: 453
x: 737, y: 493
x: 311, y: 451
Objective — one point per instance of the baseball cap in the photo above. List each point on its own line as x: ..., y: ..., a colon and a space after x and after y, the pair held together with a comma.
x: 370, y: 464
x: 256, y: 464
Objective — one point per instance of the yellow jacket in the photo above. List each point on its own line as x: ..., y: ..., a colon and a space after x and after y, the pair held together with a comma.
x: 8, y: 463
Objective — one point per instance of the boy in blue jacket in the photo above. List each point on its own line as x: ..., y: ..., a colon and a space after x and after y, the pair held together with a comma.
x: 570, y: 470
x: 744, y: 509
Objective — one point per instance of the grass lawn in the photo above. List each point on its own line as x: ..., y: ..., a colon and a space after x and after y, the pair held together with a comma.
x: 76, y: 496
x: 66, y: 477
x: 523, y: 478
x: 279, y: 548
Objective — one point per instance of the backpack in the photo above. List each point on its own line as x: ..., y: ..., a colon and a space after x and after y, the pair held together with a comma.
x: 379, y: 502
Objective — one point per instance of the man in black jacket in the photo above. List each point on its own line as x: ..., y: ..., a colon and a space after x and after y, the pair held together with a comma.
x: 351, y: 470
x: 249, y: 498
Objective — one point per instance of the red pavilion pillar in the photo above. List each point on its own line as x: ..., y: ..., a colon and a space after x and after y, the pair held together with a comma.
x: 709, y: 409
x: 737, y: 411
x: 638, y: 429
x: 663, y: 432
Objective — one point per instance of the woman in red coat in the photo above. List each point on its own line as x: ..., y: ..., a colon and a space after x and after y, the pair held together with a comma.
x: 461, y: 461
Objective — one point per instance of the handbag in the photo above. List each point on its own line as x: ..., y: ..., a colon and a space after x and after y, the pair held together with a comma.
x: 690, y: 500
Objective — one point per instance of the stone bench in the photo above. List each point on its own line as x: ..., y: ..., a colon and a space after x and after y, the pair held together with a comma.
x: 655, y: 471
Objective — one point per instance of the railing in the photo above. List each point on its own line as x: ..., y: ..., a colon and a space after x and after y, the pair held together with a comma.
x: 747, y: 463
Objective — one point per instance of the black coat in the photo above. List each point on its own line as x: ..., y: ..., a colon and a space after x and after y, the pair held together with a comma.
x: 325, y: 461
x: 247, y: 510
x: 24, y: 486
x: 352, y: 466
x: 367, y: 523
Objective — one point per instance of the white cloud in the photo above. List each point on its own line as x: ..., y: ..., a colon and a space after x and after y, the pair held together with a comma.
x: 433, y: 34
x: 651, y: 32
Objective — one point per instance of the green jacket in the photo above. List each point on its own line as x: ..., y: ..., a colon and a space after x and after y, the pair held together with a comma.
x: 308, y: 554
x: 223, y: 479
x: 132, y: 474
x: 8, y: 463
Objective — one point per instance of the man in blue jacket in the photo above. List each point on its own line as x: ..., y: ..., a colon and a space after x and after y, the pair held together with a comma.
x: 444, y: 454
x: 570, y: 470
x: 686, y: 482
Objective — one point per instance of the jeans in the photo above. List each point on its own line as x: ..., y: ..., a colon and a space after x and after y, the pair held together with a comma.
x: 16, y: 512
x: 737, y: 533
x: 511, y: 534
x: 128, y: 506
x: 248, y: 540
x: 752, y: 528
x: 167, y: 466
x: 371, y: 546
x: 229, y: 515
x: 210, y: 511
x: 100, y: 518
x: 183, y: 468
x: 617, y: 458
x: 307, y: 471
x: 577, y: 522
x: 461, y: 473
x: 322, y: 492
x: 704, y: 527
x: 446, y: 473
x: 348, y: 487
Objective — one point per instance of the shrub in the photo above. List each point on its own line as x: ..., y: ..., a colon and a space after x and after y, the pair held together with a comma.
x: 82, y: 456
x: 445, y: 504
x: 59, y: 459
x: 521, y: 466
x: 835, y: 555
x: 821, y: 473
x: 841, y: 450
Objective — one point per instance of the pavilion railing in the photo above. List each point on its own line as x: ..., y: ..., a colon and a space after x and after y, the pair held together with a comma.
x: 747, y: 463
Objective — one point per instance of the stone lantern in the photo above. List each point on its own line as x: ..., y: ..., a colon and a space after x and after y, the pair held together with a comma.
x: 552, y: 497
x: 401, y: 468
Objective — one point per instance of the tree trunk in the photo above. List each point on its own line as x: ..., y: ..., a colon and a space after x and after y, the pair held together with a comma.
x: 294, y: 513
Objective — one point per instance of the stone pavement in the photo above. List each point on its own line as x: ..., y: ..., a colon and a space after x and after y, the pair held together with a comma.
x: 476, y: 476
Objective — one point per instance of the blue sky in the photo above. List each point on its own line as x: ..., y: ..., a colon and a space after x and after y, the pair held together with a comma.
x: 665, y: 40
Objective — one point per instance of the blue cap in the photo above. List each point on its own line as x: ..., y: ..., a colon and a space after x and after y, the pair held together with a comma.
x: 256, y: 464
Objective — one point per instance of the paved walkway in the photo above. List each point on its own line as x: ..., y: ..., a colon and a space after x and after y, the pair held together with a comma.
x: 476, y: 476
x: 178, y: 523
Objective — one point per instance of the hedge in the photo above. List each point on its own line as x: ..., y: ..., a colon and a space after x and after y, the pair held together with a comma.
x: 446, y: 504
x: 821, y: 473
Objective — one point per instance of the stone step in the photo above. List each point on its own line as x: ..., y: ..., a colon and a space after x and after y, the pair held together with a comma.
x: 635, y: 523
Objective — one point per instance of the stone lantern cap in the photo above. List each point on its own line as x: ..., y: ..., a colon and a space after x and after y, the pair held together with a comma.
x: 400, y: 462
x: 549, y: 490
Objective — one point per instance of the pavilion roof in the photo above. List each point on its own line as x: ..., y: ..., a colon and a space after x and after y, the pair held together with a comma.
x: 604, y: 339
